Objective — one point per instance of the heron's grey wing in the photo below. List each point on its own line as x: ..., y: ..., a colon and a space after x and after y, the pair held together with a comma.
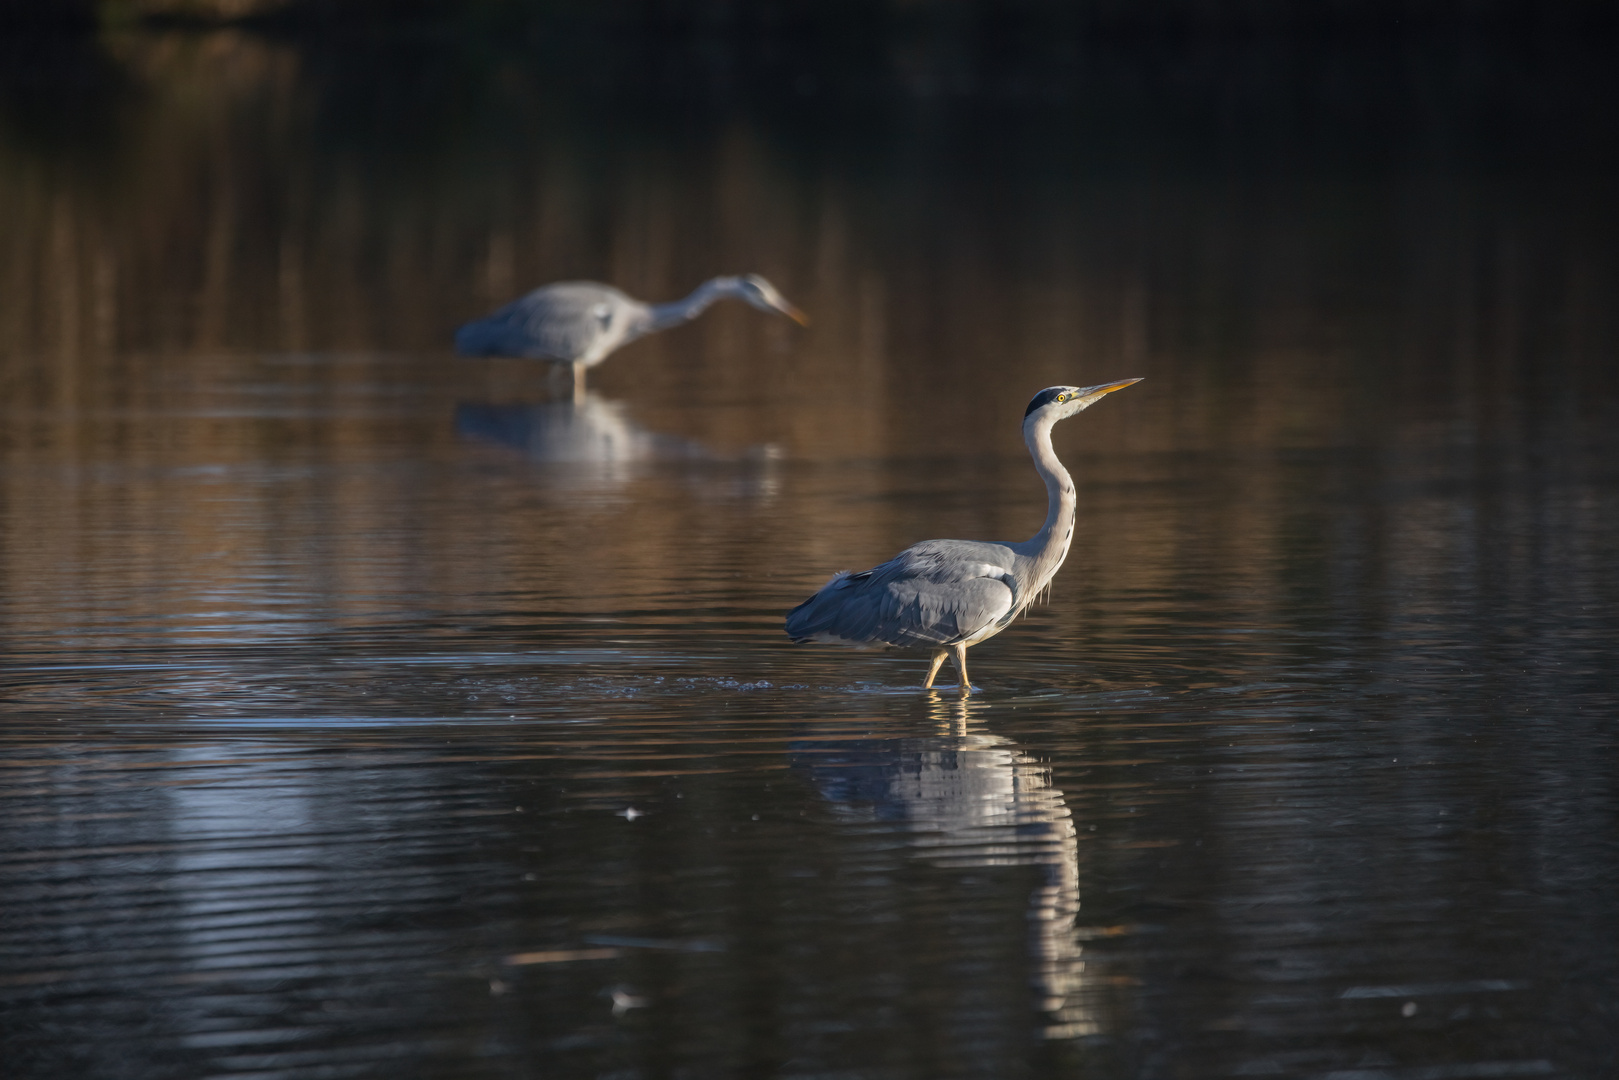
x: 934, y: 593
x: 571, y: 321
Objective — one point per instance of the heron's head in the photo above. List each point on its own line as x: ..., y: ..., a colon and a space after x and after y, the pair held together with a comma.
x: 1059, y: 402
x: 763, y: 295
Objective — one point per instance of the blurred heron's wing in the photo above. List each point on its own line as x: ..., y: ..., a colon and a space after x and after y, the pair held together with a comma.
x: 571, y: 321
x: 932, y: 594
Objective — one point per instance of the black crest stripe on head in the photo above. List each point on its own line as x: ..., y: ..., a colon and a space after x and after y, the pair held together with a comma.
x: 1044, y: 397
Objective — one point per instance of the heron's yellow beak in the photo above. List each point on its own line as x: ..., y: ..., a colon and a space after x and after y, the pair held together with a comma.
x: 794, y: 314
x: 1106, y: 388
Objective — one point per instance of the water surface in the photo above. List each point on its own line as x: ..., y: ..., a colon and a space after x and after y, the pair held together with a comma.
x: 373, y: 712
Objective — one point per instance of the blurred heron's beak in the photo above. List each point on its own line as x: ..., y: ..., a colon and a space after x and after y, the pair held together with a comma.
x: 793, y: 313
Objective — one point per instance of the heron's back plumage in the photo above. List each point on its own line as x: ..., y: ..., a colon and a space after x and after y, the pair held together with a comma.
x: 935, y: 593
x: 571, y: 321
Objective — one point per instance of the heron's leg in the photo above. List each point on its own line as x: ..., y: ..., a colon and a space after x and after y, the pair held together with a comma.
x: 578, y: 383
x: 958, y: 653
x: 933, y: 668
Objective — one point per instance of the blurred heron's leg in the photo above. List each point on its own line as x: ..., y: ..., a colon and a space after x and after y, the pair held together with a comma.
x: 958, y: 653
x: 578, y: 383
x: 933, y: 668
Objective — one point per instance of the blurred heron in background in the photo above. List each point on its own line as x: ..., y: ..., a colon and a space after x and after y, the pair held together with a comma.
x: 946, y: 595
x: 582, y: 322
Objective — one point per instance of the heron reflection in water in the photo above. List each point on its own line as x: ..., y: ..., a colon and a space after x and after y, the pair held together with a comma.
x: 581, y: 323
x: 598, y: 444
x: 946, y: 595
x: 972, y: 799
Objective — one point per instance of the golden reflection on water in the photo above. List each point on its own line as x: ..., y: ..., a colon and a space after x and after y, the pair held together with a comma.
x: 220, y: 220
x: 225, y: 353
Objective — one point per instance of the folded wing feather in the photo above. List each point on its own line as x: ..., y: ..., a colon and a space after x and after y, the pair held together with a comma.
x: 933, y: 593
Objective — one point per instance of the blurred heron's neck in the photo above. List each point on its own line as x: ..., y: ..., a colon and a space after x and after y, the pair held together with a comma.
x: 679, y: 311
x: 1049, y: 546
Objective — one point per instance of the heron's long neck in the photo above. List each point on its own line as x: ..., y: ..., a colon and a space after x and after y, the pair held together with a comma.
x: 1049, y: 546
x: 679, y: 311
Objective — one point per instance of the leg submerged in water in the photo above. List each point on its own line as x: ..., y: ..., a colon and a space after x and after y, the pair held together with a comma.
x: 958, y: 653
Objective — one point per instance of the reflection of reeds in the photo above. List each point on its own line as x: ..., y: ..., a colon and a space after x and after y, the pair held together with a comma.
x: 1299, y: 313
x: 1361, y: 314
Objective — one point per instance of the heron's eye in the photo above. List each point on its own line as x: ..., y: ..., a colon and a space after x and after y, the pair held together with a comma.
x: 1062, y: 397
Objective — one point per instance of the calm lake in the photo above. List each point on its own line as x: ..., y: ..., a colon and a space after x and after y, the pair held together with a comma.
x: 369, y: 711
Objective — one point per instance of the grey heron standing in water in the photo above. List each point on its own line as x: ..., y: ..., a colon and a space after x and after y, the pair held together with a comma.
x: 946, y: 595
x: 582, y: 322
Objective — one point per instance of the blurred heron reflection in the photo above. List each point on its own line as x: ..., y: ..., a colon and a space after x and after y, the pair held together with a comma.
x: 593, y: 443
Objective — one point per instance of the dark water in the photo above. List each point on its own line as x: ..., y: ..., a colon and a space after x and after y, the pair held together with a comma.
x: 370, y: 712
